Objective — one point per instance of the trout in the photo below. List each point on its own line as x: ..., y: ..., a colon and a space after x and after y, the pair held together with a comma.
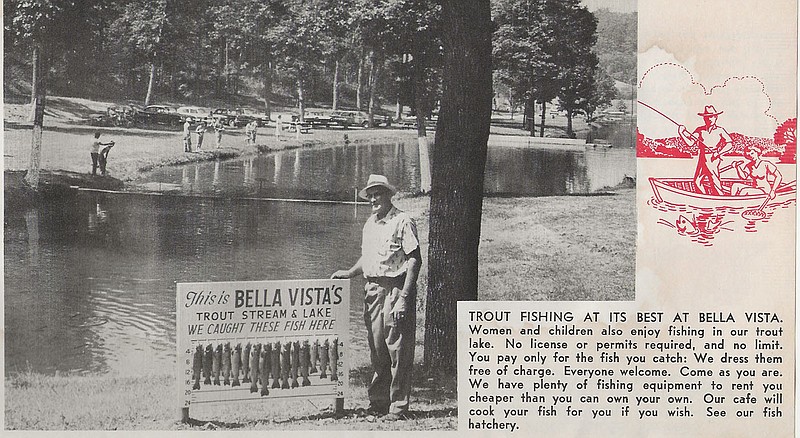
x: 276, y: 365
x: 295, y: 357
x: 226, y: 364
x: 246, y: 363
x: 305, y: 358
x: 236, y: 364
x: 323, y: 360
x: 255, y: 354
x: 216, y: 363
x: 314, y: 355
x: 285, y: 364
x: 334, y: 359
x: 208, y: 358
x: 197, y: 366
x: 264, y: 366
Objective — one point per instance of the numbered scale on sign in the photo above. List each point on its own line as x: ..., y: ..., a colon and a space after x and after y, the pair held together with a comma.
x: 249, y: 369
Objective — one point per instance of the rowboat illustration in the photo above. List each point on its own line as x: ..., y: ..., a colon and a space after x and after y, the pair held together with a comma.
x: 683, y: 191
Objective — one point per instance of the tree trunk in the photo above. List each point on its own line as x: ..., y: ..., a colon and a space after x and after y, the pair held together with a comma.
x: 40, y: 66
x: 374, y: 70
x: 544, y: 112
x: 530, y: 116
x: 398, y: 112
x: 459, y: 158
x: 301, y: 105
x: 422, y: 133
x: 150, y: 84
x: 360, y: 80
x: 34, y: 82
x: 569, y: 123
x: 267, y: 73
x: 335, y: 104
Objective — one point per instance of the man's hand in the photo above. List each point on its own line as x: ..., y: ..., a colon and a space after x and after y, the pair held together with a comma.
x: 341, y: 274
x: 400, y: 309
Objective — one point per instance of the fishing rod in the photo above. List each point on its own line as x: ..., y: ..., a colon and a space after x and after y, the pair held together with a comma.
x: 670, y: 119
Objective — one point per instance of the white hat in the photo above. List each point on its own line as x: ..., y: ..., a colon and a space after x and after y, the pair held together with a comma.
x: 375, y: 181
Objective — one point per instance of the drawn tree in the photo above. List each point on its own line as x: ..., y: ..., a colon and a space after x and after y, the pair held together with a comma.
x: 786, y: 135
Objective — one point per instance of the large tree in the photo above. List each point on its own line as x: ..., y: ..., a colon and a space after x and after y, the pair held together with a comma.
x: 457, y: 169
x: 44, y: 26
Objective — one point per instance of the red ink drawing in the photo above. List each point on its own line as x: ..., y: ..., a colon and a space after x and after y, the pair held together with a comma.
x: 754, y: 184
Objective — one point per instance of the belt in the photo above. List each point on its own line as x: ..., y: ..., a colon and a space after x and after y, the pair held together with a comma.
x: 401, y: 277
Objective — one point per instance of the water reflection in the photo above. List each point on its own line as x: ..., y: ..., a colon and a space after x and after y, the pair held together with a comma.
x: 89, y: 281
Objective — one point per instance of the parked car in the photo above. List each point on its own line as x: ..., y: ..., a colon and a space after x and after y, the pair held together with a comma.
x: 226, y: 115
x: 249, y: 114
x: 192, y: 113
x: 361, y: 118
x: 317, y: 118
x: 159, y: 115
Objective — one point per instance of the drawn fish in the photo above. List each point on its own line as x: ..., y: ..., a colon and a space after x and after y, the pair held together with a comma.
x: 276, y: 365
x: 264, y: 367
x: 216, y: 363
x: 208, y: 358
x: 246, y: 363
x: 305, y: 359
x: 314, y: 355
x: 285, y: 364
x: 295, y: 358
x: 255, y: 356
x: 236, y: 364
x: 323, y: 360
x: 685, y: 226
x: 334, y: 359
x: 197, y: 366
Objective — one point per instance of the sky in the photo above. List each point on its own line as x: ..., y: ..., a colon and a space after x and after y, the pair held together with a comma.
x: 613, y: 5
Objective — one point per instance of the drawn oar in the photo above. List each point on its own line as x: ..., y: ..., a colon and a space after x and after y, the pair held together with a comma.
x: 667, y: 117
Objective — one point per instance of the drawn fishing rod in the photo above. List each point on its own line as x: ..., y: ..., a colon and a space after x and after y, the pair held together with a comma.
x: 668, y: 118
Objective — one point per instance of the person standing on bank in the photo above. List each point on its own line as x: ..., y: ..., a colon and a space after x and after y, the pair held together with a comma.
x: 201, y: 131
x: 218, y: 128
x: 390, y: 261
x: 187, y: 136
x: 99, y: 154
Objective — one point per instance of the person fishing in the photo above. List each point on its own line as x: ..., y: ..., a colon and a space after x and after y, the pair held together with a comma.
x: 712, y: 142
x: 762, y: 176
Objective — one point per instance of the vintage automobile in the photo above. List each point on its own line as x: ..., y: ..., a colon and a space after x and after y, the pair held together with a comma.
x: 193, y: 114
x: 159, y: 115
x: 317, y: 118
x: 360, y: 118
x: 238, y: 117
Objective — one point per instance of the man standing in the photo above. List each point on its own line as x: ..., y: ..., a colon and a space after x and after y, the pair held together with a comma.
x: 390, y: 262
x: 201, y: 131
x: 99, y: 155
x: 712, y: 142
x: 187, y: 136
x: 218, y: 128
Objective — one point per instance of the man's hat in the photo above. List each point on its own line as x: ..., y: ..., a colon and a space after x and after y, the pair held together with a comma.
x: 375, y: 181
x: 709, y: 111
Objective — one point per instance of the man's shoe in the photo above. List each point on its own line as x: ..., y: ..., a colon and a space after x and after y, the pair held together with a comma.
x: 378, y: 410
x: 393, y: 417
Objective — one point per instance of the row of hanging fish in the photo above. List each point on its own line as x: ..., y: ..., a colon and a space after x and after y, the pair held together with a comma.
x: 289, y: 364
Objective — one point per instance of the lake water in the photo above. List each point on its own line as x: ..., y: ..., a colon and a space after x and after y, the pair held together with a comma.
x: 334, y: 173
x: 89, y: 280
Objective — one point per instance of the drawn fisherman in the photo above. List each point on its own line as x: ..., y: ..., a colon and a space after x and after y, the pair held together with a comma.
x: 763, y: 176
x: 712, y: 143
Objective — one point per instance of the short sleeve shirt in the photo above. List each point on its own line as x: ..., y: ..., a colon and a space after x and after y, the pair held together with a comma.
x: 386, y: 244
x: 95, y: 146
